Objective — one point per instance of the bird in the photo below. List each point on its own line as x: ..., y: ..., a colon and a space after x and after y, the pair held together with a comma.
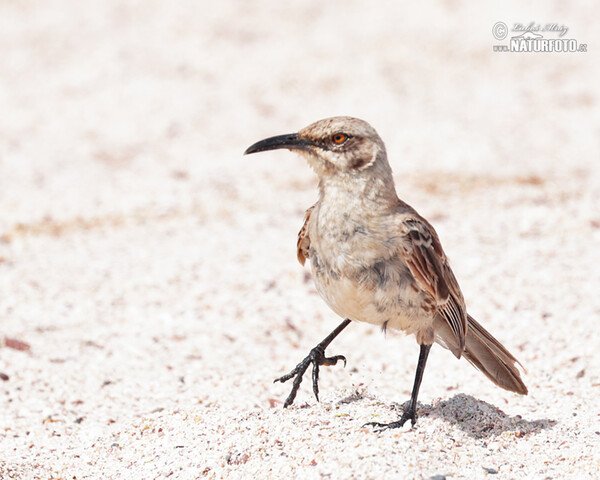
x: 374, y: 259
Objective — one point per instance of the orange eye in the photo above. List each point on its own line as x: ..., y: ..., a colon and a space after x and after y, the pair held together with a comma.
x: 339, y: 138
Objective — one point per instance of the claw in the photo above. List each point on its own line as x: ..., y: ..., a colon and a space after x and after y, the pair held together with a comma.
x: 329, y: 361
x: 408, y: 414
x: 316, y: 357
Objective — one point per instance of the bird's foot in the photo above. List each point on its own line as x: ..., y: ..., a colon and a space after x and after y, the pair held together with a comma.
x: 409, y: 414
x: 316, y: 357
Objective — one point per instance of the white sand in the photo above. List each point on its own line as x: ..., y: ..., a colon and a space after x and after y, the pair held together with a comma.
x: 151, y: 268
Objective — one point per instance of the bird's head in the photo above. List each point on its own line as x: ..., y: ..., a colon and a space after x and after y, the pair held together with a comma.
x: 333, y: 146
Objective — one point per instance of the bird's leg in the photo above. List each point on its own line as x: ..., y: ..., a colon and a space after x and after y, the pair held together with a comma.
x: 317, y: 358
x: 411, y: 411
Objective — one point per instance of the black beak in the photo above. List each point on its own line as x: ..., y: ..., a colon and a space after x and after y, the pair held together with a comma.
x: 290, y: 141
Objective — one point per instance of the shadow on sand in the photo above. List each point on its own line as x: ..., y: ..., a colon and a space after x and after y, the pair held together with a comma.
x: 480, y: 419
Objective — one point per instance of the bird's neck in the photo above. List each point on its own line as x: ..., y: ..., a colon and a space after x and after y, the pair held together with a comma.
x: 374, y: 191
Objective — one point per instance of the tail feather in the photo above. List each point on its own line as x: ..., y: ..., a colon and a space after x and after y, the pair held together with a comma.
x: 486, y: 354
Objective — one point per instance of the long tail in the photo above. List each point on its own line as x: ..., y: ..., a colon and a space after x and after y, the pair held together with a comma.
x: 486, y: 354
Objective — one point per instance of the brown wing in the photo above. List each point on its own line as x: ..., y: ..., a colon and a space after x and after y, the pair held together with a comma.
x: 303, y: 244
x: 427, y: 262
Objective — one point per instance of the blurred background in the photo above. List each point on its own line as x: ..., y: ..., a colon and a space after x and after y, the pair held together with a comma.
x: 118, y: 105
x: 146, y: 264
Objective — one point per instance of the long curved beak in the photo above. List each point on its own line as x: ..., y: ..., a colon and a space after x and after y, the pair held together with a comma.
x: 291, y: 141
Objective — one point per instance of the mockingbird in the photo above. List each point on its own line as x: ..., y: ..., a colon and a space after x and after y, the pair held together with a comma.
x: 374, y: 259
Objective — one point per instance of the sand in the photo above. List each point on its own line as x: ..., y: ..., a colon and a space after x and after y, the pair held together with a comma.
x: 149, y: 288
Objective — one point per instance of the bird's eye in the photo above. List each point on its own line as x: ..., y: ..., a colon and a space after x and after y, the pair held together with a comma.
x: 339, y: 138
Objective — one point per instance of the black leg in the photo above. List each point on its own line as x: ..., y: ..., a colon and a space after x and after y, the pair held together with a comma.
x: 317, y: 358
x: 411, y: 411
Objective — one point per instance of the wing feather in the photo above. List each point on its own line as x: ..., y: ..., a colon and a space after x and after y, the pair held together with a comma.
x: 425, y: 258
x: 303, y: 245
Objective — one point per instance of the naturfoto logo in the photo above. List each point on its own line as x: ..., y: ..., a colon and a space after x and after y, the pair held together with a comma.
x: 527, y: 38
